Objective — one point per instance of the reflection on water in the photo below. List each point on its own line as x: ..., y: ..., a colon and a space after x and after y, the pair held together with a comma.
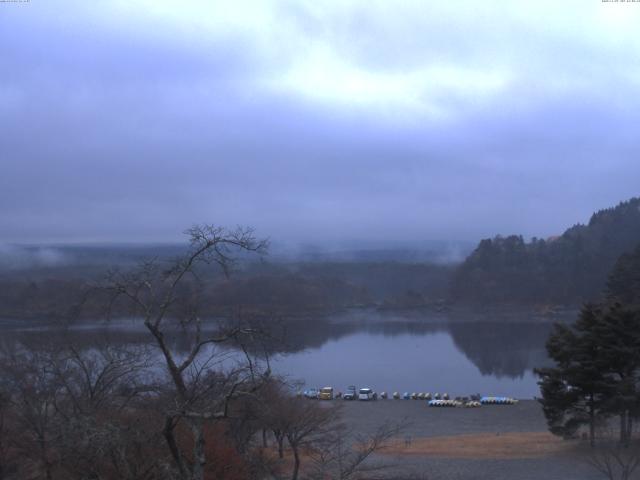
x: 426, y: 363
x: 385, y: 352
x: 460, y: 359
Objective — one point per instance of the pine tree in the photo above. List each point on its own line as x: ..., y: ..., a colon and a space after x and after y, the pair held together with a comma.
x: 619, y: 357
x: 623, y: 285
x: 597, y: 371
x: 574, y: 391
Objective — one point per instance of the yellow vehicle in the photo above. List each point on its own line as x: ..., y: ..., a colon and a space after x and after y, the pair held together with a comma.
x: 326, y: 393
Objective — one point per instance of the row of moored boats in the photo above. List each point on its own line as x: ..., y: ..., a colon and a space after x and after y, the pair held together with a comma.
x: 435, y: 400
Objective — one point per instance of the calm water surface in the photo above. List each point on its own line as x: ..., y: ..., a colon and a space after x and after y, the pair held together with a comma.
x: 490, y: 359
x: 386, y: 352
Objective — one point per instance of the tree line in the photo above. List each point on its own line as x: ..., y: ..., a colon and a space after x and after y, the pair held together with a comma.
x: 568, y: 269
x: 290, y: 288
x: 596, y: 376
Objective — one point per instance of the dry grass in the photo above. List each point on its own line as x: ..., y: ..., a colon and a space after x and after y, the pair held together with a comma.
x: 484, y: 446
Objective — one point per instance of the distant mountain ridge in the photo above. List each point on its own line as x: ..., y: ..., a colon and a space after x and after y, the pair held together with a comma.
x: 569, y: 269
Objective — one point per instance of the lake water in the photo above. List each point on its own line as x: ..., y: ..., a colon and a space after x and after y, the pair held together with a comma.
x: 461, y: 359
x: 426, y: 363
x: 386, y: 352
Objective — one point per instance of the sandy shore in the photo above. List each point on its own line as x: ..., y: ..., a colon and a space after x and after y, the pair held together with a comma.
x: 484, y: 446
x: 491, y: 442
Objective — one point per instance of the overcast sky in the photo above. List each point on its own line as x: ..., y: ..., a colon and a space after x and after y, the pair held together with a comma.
x: 315, y: 121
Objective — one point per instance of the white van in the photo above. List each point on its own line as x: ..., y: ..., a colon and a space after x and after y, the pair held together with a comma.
x: 365, y: 394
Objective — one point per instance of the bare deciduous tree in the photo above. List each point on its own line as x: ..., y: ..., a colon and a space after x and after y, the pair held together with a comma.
x: 169, y: 298
x: 304, y: 423
x: 33, y: 395
x: 72, y: 415
x: 341, y: 454
x: 107, y: 428
x: 274, y: 412
x: 613, y: 460
x: 315, y: 431
x: 8, y: 462
x: 123, y: 445
x: 106, y: 376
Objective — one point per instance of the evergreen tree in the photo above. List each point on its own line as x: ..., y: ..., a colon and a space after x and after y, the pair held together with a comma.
x: 623, y: 285
x: 597, y: 371
x: 618, y: 330
x: 567, y: 269
x: 574, y: 391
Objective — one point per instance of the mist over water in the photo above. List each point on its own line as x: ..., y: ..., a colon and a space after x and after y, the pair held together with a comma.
x: 18, y: 257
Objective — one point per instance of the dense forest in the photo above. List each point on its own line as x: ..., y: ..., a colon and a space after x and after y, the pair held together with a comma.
x: 294, y: 287
x: 568, y: 269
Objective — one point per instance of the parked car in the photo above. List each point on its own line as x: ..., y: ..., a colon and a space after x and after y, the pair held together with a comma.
x: 366, y: 394
x: 350, y: 393
x: 326, y: 393
x: 312, y: 393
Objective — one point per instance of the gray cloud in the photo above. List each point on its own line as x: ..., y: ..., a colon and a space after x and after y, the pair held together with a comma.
x: 344, y: 123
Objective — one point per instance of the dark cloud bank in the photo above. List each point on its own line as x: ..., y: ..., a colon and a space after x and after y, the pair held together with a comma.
x: 113, y: 129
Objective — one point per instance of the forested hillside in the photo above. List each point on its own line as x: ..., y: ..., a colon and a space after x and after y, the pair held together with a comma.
x: 563, y: 270
x: 623, y: 285
x: 55, y: 291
